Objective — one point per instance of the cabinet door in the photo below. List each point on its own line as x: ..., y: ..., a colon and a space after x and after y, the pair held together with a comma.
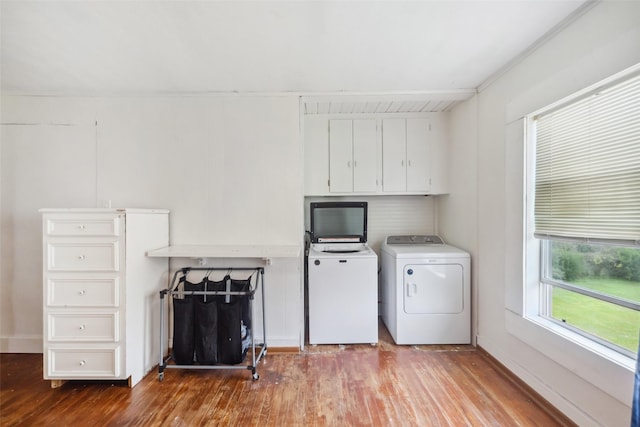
x: 439, y: 153
x: 364, y: 156
x: 418, y: 156
x: 394, y: 150
x: 340, y: 156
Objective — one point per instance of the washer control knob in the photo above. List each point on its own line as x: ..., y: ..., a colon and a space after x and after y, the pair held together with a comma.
x: 316, y: 262
x: 410, y: 272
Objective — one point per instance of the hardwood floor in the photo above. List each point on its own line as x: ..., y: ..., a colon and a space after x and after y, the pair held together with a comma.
x: 352, y: 385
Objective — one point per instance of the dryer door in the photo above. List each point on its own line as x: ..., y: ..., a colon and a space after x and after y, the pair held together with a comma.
x: 433, y: 289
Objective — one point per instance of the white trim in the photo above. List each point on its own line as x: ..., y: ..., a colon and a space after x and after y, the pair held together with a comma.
x: 397, y: 96
x: 537, y: 383
x: 602, y: 367
x: 301, y: 259
x: 308, y: 96
x: 274, y: 342
x: 613, y: 79
x: 21, y: 344
x: 380, y: 116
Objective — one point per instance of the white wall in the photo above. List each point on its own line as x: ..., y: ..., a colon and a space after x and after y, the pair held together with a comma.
x: 229, y: 169
x: 457, y: 211
x: 603, y: 41
x: 389, y: 215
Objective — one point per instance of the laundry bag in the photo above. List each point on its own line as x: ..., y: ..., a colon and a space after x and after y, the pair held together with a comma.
x: 234, y: 322
x: 184, y: 320
x: 206, y: 322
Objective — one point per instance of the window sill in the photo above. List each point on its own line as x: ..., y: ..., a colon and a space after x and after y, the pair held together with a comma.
x: 604, y: 368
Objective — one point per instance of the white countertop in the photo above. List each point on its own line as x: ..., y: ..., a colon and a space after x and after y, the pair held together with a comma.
x: 227, y: 251
x: 103, y: 210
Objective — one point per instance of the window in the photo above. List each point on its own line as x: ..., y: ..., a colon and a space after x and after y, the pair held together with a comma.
x: 593, y: 290
x: 587, y: 212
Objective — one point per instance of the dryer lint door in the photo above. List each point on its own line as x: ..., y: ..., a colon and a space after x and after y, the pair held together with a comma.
x: 433, y: 289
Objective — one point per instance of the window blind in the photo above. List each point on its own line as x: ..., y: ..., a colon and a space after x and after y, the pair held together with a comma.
x: 587, y: 174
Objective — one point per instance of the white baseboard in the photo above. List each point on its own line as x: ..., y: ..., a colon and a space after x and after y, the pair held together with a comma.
x: 21, y: 344
x: 273, y: 342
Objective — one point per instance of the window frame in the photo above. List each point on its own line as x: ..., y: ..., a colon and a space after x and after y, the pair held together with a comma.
x: 547, y: 283
x: 534, y: 289
x: 546, y: 346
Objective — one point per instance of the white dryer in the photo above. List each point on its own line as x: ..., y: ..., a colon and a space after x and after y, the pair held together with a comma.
x: 425, y: 291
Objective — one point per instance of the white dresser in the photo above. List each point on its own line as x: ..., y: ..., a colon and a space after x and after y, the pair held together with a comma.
x: 101, y: 304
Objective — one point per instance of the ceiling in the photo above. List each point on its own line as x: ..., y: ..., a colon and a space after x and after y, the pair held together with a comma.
x: 386, y: 55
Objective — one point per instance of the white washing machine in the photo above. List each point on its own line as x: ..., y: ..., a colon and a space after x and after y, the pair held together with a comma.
x: 343, y: 294
x: 425, y: 291
x: 342, y: 275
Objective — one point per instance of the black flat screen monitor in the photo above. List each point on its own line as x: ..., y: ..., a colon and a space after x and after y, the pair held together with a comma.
x: 337, y: 222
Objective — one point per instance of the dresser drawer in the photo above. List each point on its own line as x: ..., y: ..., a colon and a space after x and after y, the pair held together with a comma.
x: 94, y: 292
x: 84, y: 327
x: 89, y: 226
x: 62, y: 256
x: 83, y: 363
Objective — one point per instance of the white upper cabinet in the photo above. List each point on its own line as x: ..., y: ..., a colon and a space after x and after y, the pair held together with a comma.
x: 406, y: 155
x: 419, y: 158
x: 375, y: 155
x: 364, y: 156
x: 340, y: 156
x: 352, y: 156
x: 439, y: 154
x: 394, y: 155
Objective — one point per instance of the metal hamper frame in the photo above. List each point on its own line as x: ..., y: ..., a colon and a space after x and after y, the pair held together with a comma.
x: 255, y: 357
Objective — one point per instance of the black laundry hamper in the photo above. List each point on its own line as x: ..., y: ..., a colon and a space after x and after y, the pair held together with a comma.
x: 212, y: 322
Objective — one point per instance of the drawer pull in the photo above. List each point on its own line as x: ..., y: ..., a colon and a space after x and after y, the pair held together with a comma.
x: 81, y: 227
x: 81, y: 257
x: 82, y: 292
x: 82, y: 363
x: 82, y: 327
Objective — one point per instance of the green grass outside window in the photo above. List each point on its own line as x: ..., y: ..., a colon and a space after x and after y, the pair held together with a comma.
x: 619, y: 325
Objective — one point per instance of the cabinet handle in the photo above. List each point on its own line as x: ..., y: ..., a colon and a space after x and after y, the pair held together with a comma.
x: 349, y: 163
x: 82, y: 327
x: 402, y: 163
x: 82, y: 363
x: 82, y: 292
x: 81, y: 227
x: 81, y: 257
x: 355, y: 164
x: 409, y: 163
